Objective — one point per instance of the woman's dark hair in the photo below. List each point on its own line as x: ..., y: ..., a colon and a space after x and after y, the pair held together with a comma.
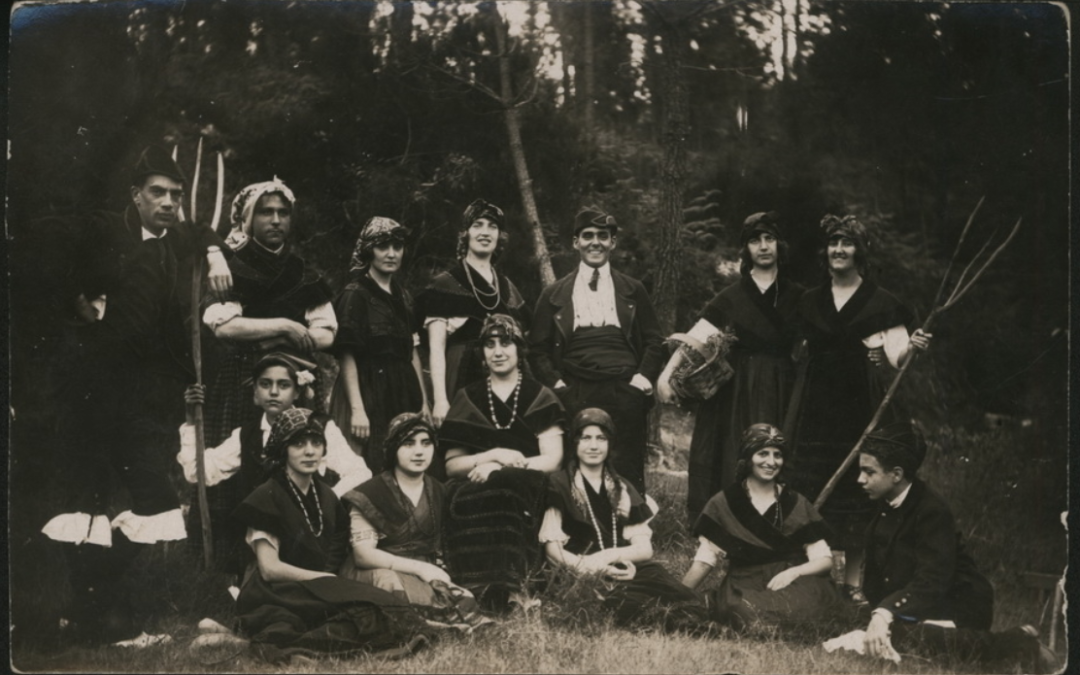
x: 504, y: 326
x: 766, y: 222
x: 746, y: 263
x: 500, y: 244
x: 756, y: 437
x: 850, y: 227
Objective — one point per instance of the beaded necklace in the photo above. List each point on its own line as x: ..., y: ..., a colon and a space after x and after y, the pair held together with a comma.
x: 778, y: 517
x: 307, y: 516
x: 516, y: 395
x: 497, y: 293
x: 596, y: 524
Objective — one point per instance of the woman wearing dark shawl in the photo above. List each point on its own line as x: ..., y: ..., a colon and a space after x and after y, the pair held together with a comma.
x: 380, y: 375
x: 596, y: 522
x: 291, y: 601
x: 455, y: 304
x: 759, y: 310
x: 278, y: 303
x: 397, y: 519
x: 856, y: 336
x: 503, y: 436
x: 774, y: 542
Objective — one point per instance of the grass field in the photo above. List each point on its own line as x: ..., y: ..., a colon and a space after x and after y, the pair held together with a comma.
x: 1007, y: 495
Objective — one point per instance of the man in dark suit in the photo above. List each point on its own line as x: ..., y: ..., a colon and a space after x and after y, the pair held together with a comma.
x: 596, y: 341
x: 924, y: 590
x: 121, y: 397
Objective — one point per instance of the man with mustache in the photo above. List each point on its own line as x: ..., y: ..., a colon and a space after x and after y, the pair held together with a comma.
x: 856, y: 336
x: 596, y: 341
x: 119, y: 401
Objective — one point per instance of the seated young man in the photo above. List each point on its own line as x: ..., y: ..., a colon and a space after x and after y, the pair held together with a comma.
x: 924, y: 590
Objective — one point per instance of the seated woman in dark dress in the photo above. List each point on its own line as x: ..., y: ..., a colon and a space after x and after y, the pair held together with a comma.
x: 596, y: 522
x: 397, y: 519
x: 774, y: 541
x: 504, y: 436
x: 291, y: 601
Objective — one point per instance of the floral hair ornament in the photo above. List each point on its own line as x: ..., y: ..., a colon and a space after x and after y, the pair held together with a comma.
x: 376, y: 231
x: 481, y: 208
x: 301, y: 370
x: 291, y: 424
x: 243, y: 209
x: 848, y: 226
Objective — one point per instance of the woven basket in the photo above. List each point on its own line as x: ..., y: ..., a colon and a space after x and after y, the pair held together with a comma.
x: 704, y: 368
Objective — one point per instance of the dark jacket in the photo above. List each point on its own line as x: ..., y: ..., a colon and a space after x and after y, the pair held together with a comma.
x: 106, y: 255
x: 553, y: 326
x: 916, y: 566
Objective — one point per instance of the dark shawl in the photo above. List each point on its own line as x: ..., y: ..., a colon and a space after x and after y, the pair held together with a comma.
x: 272, y: 508
x: 386, y: 507
x: 763, y: 322
x: 749, y: 538
x: 275, y: 285
x: 468, y: 423
x: 576, y: 523
x: 450, y: 295
x: 871, y: 309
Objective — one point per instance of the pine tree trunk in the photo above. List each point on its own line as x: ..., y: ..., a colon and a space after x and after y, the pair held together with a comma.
x: 517, y: 152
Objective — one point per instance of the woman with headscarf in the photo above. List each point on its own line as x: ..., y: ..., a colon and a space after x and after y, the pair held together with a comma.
x: 456, y: 302
x: 759, y: 312
x: 596, y: 522
x: 278, y: 303
x: 396, y: 523
x: 291, y: 601
x: 503, y: 436
x: 856, y: 336
x: 774, y: 542
x: 380, y: 375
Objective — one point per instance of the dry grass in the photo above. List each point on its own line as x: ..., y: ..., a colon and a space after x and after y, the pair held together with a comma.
x: 999, y: 495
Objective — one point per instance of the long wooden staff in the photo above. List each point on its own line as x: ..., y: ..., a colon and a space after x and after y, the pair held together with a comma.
x: 958, y: 292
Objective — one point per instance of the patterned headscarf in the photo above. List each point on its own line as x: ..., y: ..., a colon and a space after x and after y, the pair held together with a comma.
x: 765, y: 221
x: 243, y: 209
x: 378, y: 230
x: 756, y: 437
x: 291, y: 424
x: 481, y: 208
x: 402, y: 428
x: 849, y: 227
x: 504, y: 326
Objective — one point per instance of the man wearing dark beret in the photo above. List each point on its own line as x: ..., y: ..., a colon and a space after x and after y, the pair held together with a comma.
x: 596, y: 341
x: 120, y: 401
x: 924, y: 590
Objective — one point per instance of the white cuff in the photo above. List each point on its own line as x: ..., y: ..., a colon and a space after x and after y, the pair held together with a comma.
x: 221, y: 312
x: 165, y: 526
x: 702, y: 331
x: 79, y: 528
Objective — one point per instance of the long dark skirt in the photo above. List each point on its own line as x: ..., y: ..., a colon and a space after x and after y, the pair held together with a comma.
x: 388, y: 388
x: 810, y: 604
x: 757, y: 392
x: 329, y: 615
x: 492, y: 533
x: 655, y: 597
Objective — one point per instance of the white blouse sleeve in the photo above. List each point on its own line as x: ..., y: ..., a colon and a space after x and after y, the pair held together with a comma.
x: 818, y: 549
x: 254, y: 535
x: 708, y: 552
x: 220, y: 463
x: 340, y: 458
x: 221, y: 312
x: 895, y: 341
x: 322, y: 316
x: 551, y: 529
x: 361, y: 528
x: 452, y: 323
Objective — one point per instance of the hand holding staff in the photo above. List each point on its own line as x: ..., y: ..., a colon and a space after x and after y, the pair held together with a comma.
x: 958, y: 292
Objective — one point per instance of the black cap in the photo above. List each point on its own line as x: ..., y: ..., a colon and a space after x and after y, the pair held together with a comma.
x: 592, y: 216
x: 156, y: 161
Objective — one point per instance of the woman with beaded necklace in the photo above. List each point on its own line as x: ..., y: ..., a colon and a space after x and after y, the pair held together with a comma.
x: 597, y: 523
x: 774, y: 542
x: 457, y: 302
x: 503, y: 436
x: 291, y: 601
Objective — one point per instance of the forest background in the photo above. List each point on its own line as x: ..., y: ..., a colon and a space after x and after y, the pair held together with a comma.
x: 680, y: 118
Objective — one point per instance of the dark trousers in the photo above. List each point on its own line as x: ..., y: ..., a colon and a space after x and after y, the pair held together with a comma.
x: 629, y: 410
